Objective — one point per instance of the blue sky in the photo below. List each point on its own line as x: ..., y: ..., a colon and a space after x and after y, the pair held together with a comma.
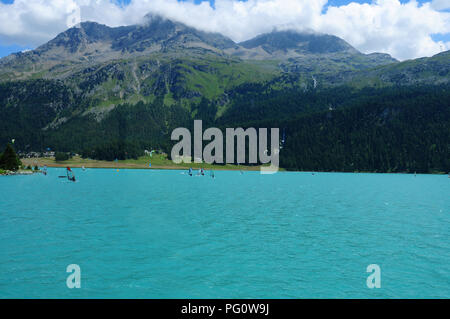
x: 430, y: 29
x: 330, y: 2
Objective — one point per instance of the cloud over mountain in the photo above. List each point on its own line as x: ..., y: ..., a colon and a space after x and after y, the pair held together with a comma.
x: 402, y: 30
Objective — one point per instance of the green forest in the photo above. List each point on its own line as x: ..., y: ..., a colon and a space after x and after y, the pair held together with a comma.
x: 391, y: 129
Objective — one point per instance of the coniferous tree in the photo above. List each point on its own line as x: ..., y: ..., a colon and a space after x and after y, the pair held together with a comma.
x: 9, y: 159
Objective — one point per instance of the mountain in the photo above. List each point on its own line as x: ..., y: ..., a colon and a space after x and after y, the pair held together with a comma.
x: 291, y: 43
x: 95, y: 84
x: 161, y: 57
x: 91, y: 43
x: 308, y: 54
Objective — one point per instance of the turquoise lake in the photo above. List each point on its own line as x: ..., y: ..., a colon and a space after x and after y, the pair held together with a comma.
x: 163, y: 234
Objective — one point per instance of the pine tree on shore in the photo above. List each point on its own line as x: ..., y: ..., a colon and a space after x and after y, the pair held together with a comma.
x: 9, y: 159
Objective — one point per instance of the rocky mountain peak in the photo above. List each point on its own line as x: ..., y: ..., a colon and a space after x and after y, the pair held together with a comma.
x: 306, y: 42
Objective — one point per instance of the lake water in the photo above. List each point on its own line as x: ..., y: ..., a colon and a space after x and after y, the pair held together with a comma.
x: 162, y: 234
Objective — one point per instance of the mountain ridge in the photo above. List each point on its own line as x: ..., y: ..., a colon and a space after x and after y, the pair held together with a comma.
x: 94, y: 42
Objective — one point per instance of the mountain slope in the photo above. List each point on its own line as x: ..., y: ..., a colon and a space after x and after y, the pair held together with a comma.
x: 434, y: 70
x: 92, y: 43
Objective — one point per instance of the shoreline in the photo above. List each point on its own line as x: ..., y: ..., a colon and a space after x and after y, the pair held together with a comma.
x: 168, y: 165
x: 19, y: 172
x: 141, y: 163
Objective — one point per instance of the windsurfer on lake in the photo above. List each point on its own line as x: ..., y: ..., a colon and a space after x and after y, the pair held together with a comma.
x: 70, y: 175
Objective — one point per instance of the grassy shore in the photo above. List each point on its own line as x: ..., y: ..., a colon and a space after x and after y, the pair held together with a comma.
x: 158, y: 161
x: 19, y: 172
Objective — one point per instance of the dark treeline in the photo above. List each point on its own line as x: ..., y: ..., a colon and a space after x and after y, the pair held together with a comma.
x: 26, y: 107
x: 114, y: 150
x: 396, y: 129
x: 123, y: 133
x: 399, y: 131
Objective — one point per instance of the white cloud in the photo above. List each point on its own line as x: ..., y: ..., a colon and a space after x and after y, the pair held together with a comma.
x: 440, y: 4
x: 403, y: 30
